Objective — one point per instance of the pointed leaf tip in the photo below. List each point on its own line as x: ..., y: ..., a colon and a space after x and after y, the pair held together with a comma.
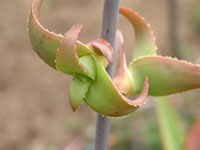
x: 77, y: 91
x: 67, y: 60
x: 104, y: 47
x: 144, y: 39
x: 44, y: 43
x: 166, y: 75
x: 122, y: 79
x: 142, y: 98
x: 104, y: 97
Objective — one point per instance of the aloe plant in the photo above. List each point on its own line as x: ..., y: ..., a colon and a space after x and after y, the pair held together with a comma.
x: 146, y: 74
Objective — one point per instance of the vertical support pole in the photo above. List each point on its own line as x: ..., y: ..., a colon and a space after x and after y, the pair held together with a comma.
x: 108, y: 32
x: 173, y: 27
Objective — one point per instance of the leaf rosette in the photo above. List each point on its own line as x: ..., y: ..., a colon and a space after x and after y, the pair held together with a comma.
x: 146, y: 74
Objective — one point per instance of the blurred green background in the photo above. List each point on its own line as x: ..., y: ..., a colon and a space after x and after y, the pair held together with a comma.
x: 34, y: 107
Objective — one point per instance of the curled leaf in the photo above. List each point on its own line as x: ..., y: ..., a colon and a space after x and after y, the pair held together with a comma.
x: 122, y: 80
x: 44, y: 42
x: 106, y: 99
x: 67, y: 60
x: 144, y: 39
x: 104, y: 47
x: 166, y: 75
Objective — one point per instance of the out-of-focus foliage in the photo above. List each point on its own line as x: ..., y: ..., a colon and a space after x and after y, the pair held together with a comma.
x: 196, y: 15
x: 192, y: 139
x: 169, y: 125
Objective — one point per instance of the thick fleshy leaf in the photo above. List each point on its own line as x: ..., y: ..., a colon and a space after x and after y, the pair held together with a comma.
x: 77, y: 91
x: 80, y: 84
x: 122, y: 79
x: 144, y: 39
x: 103, y: 47
x: 106, y: 99
x: 67, y: 60
x: 44, y: 42
x: 166, y: 75
x: 192, y: 140
x: 172, y: 135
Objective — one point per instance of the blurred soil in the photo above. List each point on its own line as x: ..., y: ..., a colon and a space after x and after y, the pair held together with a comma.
x: 34, y: 107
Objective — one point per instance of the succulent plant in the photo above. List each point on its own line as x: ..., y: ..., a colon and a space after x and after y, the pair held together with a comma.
x: 147, y: 73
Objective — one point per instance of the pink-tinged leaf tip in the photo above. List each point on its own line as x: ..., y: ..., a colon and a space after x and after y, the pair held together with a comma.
x: 67, y: 60
x: 104, y: 47
x: 144, y: 39
x: 122, y: 79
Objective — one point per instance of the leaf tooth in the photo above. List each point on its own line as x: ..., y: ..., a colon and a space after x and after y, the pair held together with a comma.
x: 141, y: 27
x: 175, y: 58
x: 104, y: 47
x: 141, y: 57
x: 181, y: 60
x: 174, y: 75
x: 139, y: 105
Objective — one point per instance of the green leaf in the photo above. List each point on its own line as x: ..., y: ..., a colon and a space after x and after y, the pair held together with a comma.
x: 144, y: 39
x: 67, y: 60
x: 101, y: 47
x: 44, y: 42
x: 77, y: 91
x: 106, y: 99
x: 166, y: 75
x: 171, y: 134
x: 80, y: 84
x: 122, y: 80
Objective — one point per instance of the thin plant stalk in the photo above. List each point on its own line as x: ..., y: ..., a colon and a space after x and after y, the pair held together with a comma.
x: 173, y: 28
x: 108, y: 32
